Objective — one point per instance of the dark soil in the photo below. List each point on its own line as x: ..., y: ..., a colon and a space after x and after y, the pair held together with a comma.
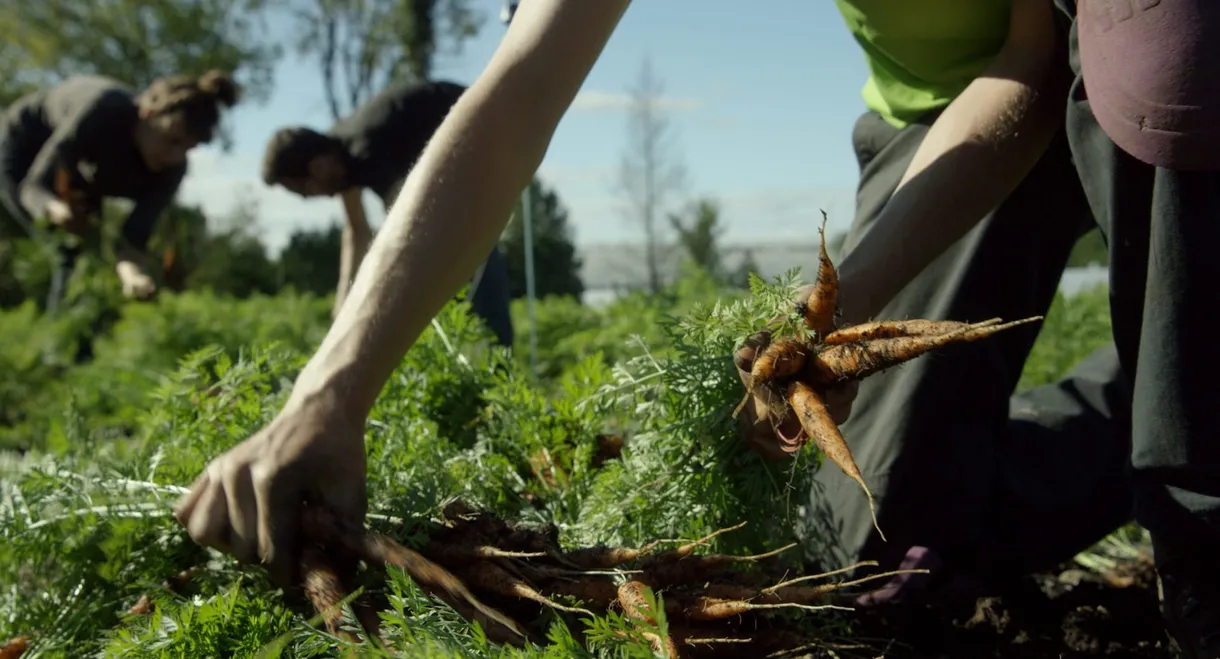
x: 1064, y: 614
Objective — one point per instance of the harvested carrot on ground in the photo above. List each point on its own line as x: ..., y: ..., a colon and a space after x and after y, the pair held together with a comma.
x: 710, y: 602
x: 496, y: 579
x: 698, y: 569
x: 379, y: 550
x: 823, y: 302
x: 631, y: 598
x: 14, y: 648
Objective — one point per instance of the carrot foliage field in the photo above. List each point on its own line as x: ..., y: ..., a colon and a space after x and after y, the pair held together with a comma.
x: 95, y: 452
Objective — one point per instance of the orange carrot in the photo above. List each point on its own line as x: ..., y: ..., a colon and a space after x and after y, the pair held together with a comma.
x: 592, y: 590
x: 821, y: 428
x: 14, y: 648
x: 698, y: 569
x: 375, y: 549
x: 709, y: 608
x: 892, y: 329
x: 855, y: 361
x: 600, y: 558
x: 325, y: 590
x: 781, y: 358
x: 687, y: 548
x: 493, y: 578
x: 631, y: 598
x: 822, y: 305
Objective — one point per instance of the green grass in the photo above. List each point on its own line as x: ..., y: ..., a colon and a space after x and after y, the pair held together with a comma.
x: 84, y: 514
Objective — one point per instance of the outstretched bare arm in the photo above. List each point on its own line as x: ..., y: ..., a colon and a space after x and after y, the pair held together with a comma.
x: 449, y: 213
x: 457, y: 198
x: 976, y: 153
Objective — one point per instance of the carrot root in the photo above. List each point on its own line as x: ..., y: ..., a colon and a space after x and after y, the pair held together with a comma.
x: 816, y: 421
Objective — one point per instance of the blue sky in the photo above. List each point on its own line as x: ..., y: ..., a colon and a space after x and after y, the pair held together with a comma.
x: 762, y: 111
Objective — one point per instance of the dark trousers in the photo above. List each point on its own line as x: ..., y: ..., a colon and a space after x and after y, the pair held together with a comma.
x: 1163, y: 231
x: 15, y: 221
x: 489, y: 297
x: 994, y: 481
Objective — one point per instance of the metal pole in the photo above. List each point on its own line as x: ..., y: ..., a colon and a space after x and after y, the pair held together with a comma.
x: 527, y: 224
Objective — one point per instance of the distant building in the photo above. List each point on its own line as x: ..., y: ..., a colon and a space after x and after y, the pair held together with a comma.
x: 609, y: 269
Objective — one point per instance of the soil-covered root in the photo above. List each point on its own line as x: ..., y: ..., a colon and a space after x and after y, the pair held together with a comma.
x: 378, y: 550
x: 14, y: 648
x: 823, y: 303
x: 699, y: 569
x: 820, y: 427
x: 895, y: 329
x: 631, y: 598
x: 855, y: 361
x: 781, y: 358
x: 174, y: 584
x: 493, y: 578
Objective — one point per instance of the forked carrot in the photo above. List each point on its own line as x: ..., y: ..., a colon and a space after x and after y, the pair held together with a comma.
x: 893, y: 329
x: 821, y: 428
x: 856, y: 361
x: 823, y: 302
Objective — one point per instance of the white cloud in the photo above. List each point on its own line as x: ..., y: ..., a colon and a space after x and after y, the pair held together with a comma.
x: 600, y: 101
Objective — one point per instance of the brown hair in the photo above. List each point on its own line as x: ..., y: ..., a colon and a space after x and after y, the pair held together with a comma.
x: 290, y: 150
x: 198, y: 99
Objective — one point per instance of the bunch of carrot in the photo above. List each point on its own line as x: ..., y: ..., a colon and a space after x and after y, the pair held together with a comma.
x: 797, y: 371
x: 504, y: 576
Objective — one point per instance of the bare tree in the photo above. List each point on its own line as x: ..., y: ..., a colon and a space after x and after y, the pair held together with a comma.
x: 363, y: 44
x: 651, y: 174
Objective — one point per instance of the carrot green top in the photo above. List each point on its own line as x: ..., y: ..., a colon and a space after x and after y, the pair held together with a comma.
x: 923, y: 53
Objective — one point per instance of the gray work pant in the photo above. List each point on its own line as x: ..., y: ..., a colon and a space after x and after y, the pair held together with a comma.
x: 995, y: 482
x: 489, y: 297
x: 1163, y: 230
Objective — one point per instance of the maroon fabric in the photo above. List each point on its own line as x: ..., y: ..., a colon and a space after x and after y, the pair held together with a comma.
x: 1152, y: 72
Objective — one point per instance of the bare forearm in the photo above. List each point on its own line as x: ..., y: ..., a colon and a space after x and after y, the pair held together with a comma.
x: 456, y: 200
x: 972, y: 158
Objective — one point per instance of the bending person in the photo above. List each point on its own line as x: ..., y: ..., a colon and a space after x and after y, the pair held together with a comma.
x: 374, y: 148
x: 454, y: 205
x: 65, y: 148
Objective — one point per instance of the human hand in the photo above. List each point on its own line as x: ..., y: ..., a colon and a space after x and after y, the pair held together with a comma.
x: 136, y: 284
x: 767, y: 422
x: 67, y: 217
x: 248, y: 501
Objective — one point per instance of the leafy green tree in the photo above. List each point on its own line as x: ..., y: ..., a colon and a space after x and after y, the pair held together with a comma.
x: 699, y: 232
x: 134, y: 41
x: 234, y: 259
x: 307, y: 262
x: 556, y: 265
x: 740, y: 277
x: 361, y: 45
x: 1091, y: 249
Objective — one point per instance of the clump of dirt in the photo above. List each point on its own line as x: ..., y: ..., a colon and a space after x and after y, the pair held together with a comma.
x: 1065, y: 613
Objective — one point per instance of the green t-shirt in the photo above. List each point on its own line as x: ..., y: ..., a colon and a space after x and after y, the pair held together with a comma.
x: 922, y: 53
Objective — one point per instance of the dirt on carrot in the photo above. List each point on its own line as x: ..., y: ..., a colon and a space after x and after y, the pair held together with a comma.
x: 826, y: 356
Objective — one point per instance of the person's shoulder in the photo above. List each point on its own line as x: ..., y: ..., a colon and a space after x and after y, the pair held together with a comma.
x: 93, y: 93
